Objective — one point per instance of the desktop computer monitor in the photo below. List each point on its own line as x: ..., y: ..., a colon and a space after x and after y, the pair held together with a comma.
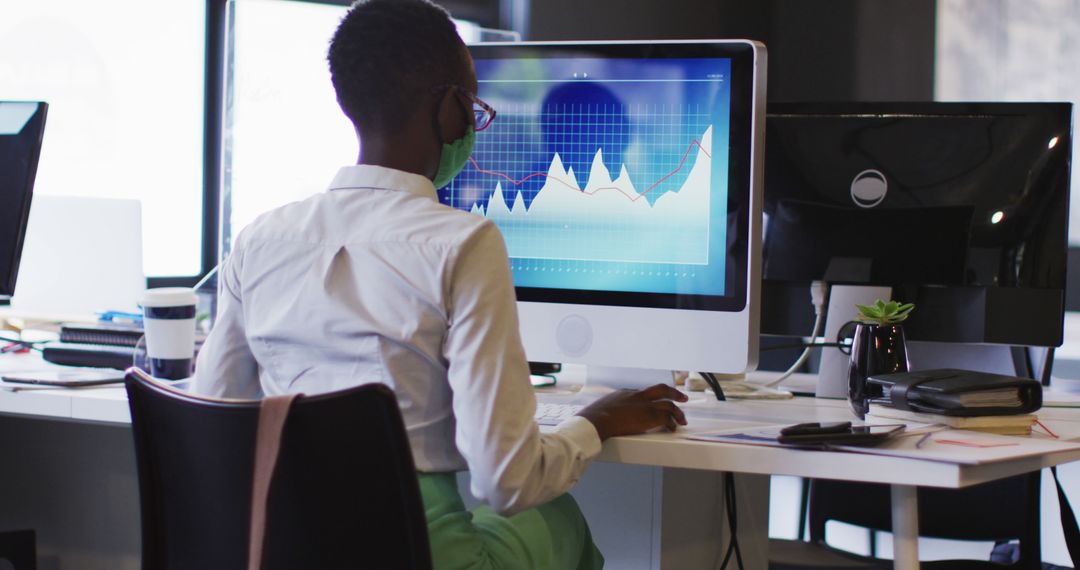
x: 22, y: 125
x: 961, y: 208
x: 625, y: 178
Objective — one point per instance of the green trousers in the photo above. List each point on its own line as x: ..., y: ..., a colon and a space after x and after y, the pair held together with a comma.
x: 553, y: 536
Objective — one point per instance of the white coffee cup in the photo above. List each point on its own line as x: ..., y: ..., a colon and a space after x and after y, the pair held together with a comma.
x: 169, y: 325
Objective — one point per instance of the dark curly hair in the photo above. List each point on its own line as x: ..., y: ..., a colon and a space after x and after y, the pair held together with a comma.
x: 387, y: 55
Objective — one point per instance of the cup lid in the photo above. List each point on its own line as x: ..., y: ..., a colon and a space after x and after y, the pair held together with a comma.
x: 169, y: 297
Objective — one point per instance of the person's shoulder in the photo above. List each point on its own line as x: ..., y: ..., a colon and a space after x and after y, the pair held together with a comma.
x: 282, y: 222
x: 449, y: 225
x: 346, y: 218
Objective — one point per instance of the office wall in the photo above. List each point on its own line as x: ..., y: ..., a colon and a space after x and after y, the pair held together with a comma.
x: 818, y: 50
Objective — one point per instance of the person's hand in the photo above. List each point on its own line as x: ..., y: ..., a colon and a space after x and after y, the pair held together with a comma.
x: 629, y: 412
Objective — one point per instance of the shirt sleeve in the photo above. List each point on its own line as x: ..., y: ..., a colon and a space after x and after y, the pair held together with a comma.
x: 226, y: 368
x: 512, y: 464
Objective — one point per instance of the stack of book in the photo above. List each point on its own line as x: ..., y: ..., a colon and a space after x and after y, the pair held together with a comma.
x: 1015, y: 424
x: 963, y: 399
x: 99, y: 345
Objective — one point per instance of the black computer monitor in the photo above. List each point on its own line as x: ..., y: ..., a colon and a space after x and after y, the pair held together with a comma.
x: 962, y: 208
x: 22, y: 125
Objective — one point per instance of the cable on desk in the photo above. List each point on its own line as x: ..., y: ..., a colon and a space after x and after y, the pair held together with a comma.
x: 18, y: 345
x: 838, y: 344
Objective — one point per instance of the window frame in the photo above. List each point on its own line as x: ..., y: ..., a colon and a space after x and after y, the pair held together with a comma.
x: 213, y: 112
x: 215, y: 94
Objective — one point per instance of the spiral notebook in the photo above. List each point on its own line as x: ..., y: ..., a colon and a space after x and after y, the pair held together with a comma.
x: 110, y: 334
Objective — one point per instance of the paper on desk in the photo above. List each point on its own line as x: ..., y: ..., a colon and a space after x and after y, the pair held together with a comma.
x: 949, y: 445
x: 1057, y: 398
x: 973, y: 448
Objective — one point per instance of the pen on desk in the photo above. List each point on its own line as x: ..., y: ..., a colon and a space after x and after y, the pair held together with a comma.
x: 925, y: 435
x: 1046, y: 429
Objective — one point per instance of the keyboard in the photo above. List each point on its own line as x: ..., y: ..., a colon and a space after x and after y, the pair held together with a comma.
x: 554, y: 414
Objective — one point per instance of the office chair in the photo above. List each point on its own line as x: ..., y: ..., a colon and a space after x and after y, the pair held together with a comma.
x: 344, y: 494
x: 18, y: 548
x: 994, y: 512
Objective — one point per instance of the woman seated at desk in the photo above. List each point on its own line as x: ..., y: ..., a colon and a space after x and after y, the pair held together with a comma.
x: 375, y: 281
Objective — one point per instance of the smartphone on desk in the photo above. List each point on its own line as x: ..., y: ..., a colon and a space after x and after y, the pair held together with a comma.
x: 837, y: 433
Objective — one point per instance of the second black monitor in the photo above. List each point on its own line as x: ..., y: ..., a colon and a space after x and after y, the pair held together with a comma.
x: 962, y: 207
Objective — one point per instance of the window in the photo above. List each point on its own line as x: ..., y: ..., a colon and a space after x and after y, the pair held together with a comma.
x: 125, y: 84
x: 285, y: 136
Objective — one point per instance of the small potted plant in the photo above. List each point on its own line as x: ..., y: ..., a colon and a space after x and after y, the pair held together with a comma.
x: 879, y: 347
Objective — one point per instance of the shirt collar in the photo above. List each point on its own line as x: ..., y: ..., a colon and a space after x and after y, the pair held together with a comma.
x: 367, y: 176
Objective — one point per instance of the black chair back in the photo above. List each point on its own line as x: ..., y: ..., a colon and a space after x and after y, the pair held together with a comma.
x: 345, y: 493
x: 1007, y: 509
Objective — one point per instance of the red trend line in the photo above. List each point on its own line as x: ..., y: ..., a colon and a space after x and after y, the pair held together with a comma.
x: 682, y: 163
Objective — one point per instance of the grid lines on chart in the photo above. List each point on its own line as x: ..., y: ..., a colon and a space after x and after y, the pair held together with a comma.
x: 656, y: 144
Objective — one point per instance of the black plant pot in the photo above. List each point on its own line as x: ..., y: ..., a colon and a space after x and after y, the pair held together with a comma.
x: 877, y: 349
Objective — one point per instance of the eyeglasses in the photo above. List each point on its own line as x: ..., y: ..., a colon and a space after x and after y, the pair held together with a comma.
x: 484, y: 113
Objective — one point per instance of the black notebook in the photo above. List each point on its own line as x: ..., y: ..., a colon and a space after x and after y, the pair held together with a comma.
x: 954, y: 392
x: 93, y: 355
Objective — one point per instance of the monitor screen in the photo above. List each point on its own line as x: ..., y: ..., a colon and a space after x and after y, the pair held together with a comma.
x: 609, y: 172
x: 22, y: 125
x: 625, y: 181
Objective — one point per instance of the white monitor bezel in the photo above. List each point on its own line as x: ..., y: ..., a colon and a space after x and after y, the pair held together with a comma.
x: 720, y: 339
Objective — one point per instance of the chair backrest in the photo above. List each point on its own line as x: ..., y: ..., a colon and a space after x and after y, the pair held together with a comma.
x: 345, y: 493
x: 1006, y: 509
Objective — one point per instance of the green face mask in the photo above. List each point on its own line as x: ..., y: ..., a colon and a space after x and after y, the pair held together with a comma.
x: 454, y: 157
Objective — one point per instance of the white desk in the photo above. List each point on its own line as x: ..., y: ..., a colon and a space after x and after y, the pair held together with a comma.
x: 106, y: 404
x: 678, y: 455
x: 689, y: 469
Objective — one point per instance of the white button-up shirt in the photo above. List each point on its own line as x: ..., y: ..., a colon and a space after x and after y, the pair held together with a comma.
x: 376, y: 281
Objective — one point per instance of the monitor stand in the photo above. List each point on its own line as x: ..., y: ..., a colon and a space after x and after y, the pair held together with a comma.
x: 600, y: 380
x: 4, y: 300
x: 990, y: 358
x: 833, y: 371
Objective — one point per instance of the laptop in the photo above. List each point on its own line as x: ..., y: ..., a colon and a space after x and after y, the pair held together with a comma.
x: 81, y: 256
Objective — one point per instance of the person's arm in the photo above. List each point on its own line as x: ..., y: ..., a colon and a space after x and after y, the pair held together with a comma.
x: 514, y: 466
x: 225, y: 367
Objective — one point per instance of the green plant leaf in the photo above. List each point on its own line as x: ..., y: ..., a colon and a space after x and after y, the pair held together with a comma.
x: 866, y: 312
x: 884, y: 313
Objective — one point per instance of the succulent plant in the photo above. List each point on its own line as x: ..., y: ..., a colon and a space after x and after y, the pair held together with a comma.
x: 885, y: 313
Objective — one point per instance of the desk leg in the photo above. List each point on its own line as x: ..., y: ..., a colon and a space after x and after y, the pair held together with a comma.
x: 655, y: 518
x: 905, y: 523
x: 693, y: 523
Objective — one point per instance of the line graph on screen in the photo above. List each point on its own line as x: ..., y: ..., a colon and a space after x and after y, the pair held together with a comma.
x: 629, y: 195
x: 606, y: 219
